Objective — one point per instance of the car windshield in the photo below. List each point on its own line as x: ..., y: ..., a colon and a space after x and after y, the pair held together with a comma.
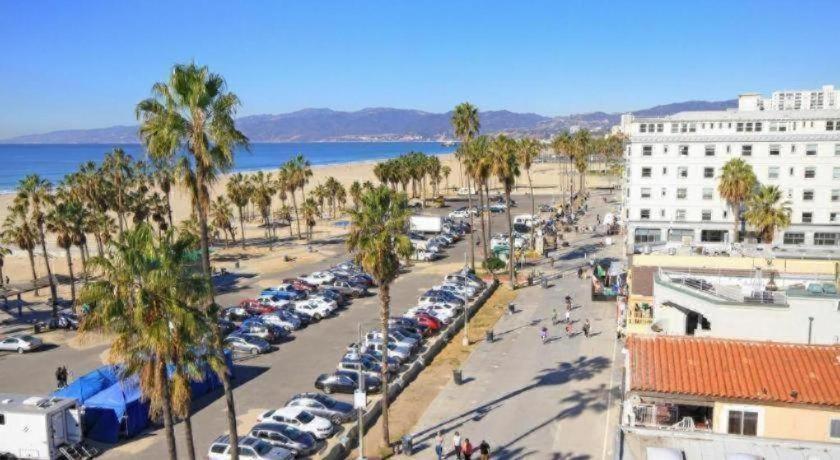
x: 27, y: 338
x: 304, y: 417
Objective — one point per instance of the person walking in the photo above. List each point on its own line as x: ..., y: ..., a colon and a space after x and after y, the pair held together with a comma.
x: 456, y: 445
x: 568, y: 316
x: 467, y: 449
x: 580, y: 272
x: 569, y: 329
x: 554, y: 319
x: 484, y: 450
x: 544, y: 335
x: 586, y: 327
x: 58, y: 378
x: 439, y: 445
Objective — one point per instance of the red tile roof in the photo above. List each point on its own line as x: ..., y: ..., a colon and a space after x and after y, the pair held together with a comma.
x: 736, y: 369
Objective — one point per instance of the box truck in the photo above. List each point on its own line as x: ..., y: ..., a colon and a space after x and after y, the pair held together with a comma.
x: 425, y: 224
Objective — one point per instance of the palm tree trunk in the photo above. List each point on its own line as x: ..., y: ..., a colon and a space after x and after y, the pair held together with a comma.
x: 297, y: 216
x: 485, y: 213
x: 384, y: 314
x: 72, y: 278
x: 472, y: 226
x: 533, y: 207
x: 169, y: 209
x: 31, y: 254
x: 241, y: 228
x: 53, y: 292
x: 168, y: 427
x: 510, y: 240
x: 84, y: 261
x: 483, y: 227
x: 736, y: 214
x: 188, y: 437
x: 100, y: 250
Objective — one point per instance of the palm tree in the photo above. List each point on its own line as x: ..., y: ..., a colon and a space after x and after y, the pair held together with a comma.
x: 221, y: 217
x: 378, y: 240
x: 466, y: 125
x: 562, y: 146
x: 477, y: 169
x: 581, y: 147
x: 4, y: 251
x: 239, y: 192
x: 506, y: 169
x: 118, y: 167
x: 164, y: 176
x: 356, y: 193
x: 19, y: 230
x: 60, y: 221
x: 528, y: 149
x: 262, y: 189
x: 143, y: 298
x: 736, y: 184
x: 309, y: 212
x: 768, y: 211
x: 192, y: 116
x: 445, y: 170
x: 35, y: 195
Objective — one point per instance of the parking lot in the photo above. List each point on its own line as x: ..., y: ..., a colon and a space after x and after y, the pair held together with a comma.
x: 264, y: 381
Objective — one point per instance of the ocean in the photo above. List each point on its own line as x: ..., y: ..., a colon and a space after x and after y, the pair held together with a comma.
x: 53, y: 161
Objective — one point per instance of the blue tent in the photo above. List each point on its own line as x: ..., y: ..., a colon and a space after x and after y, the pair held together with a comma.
x: 116, y: 411
x: 89, y: 384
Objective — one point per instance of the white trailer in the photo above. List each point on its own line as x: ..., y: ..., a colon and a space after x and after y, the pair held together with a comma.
x: 425, y: 224
x: 40, y: 427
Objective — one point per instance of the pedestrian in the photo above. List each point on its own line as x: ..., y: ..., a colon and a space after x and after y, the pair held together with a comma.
x: 580, y: 272
x: 586, y: 328
x: 544, y: 334
x: 569, y: 329
x: 568, y: 316
x: 63, y: 376
x: 598, y: 218
x: 439, y: 445
x: 554, y: 317
x: 484, y: 450
x: 456, y: 445
x: 467, y: 449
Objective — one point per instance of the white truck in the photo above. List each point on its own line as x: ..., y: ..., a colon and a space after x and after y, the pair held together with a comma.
x: 41, y: 427
x: 425, y: 224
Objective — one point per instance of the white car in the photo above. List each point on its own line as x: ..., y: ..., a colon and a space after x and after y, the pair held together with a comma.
x: 406, y: 342
x: 460, y: 291
x: 502, y: 240
x: 272, y: 301
x: 20, y: 343
x: 457, y: 278
x: 316, y: 308
x: 423, y: 255
x: 497, y: 207
x: 249, y: 447
x: 426, y: 301
x: 284, y: 320
x: 402, y: 354
x: 464, y: 191
x: 460, y: 213
x: 319, y: 278
x: 301, y: 419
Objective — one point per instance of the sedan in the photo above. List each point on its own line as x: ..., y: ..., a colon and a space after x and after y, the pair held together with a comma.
x: 21, y: 343
x: 247, y: 344
x: 322, y: 405
x: 317, y: 310
x: 318, y: 278
x: 345, y: 382
x: 274, y: 300
x: 287, y: 437
x: 301, y: 419
x: 335, y: 296
x: 235, y: 313
x: 281, y: 318
x: 346, y: 287
x: 300, y: 284
x: 253, y: 307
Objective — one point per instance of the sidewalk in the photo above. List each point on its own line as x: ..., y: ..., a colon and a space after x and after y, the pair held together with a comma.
x: 528, y: 399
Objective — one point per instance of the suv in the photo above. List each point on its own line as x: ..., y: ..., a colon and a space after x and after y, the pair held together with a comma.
x: 346, y: 287
x: 249, y: 447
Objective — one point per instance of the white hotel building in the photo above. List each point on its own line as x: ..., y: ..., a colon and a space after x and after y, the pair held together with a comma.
x: 792, y: 140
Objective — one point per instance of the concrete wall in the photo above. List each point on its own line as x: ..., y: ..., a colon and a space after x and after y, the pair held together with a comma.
x: 780, y: 422
x: 804, y: 266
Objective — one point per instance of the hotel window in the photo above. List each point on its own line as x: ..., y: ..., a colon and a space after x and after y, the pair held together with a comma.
x: 811, y: 172
x: 835, y: 195
x: 713, y: 236
x: 807, y: 217
x: 773, y: 126
x: 662, y: 213
x: 775, y: 149
x: 739, y: 127
x: 682, y: 193
x: 647, y: 150
x: 648, y: 235
x: 829, y: 125
x: 746, y: 150
x: 811, y: 149
x: 692, y: 127
x: 748, y: 127
x: 708, y: 173
x: 664, y: 170
x: 645, y: 172
x: 664, y: 192
x: 644, y: 214
x: 773, y: 172
x: 834, y: 428
x: 832, y: 217
x: 790, y: 172
x: 826, y: 239
x: 675, y: 127
x: 660, y: 127
x: 807, y: 195
x: 682, y: 171
x: 642, y: 128
x: 835, y: 173
x: 708, y: 193
x: 645, y: 192
x: 710, y: 150
x: 683, y: 127
x: 758, y: 126
x: 743, y: 422
x: 679, y: 214
x: 684, y: 150
x: 837, y: 150
x: 793, y: 238
x: 706, y: 215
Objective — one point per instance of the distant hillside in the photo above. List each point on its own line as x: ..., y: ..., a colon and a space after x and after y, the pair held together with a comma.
x: 378, y: 124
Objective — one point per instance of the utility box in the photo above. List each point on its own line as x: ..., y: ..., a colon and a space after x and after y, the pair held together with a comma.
x: 38, y: 426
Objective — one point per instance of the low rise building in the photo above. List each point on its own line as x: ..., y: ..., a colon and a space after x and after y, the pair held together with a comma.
x: 700, y: 398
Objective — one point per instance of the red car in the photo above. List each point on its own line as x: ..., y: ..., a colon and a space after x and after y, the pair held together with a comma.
x: 428, y: 321
x: 253, y: 307
x: 301, y: 285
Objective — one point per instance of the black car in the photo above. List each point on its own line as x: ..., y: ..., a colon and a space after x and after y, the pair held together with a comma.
x: 346, y: 382
x: 226, y: 327
x: 287, y: 437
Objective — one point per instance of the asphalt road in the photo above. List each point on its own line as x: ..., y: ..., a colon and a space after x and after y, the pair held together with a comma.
x: 266, y: 381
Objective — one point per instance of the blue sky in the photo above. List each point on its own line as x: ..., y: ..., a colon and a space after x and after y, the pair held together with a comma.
x: 86, y: 64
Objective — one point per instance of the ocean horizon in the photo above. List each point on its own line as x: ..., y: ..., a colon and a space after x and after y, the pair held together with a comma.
x: 54, y: 161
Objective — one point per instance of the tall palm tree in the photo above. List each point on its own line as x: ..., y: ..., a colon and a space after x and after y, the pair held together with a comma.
x: 477, y: 168
x: 582, y: 147
x: 356, y: 193
x: 562, y: 146
x: 378, y: 241
x: 262, y: 191
x: 466, y: 125
x: 164, y: 176
x: 768, y: 211
x: 143, y: 297
x: 60, y: 222
x: 736, y: 184
x: 118, y: 167
x: 19, y: 230
x: 34, y: 194
x: 445, y: 170
x: 528, y: 149
x: 192, y: 116
x: 239, y: 192
x: 506, y: 169
x: 221, y: 216
x: 309, y: 212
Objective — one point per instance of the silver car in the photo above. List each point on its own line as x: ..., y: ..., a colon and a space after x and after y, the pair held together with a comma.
x: 20, y: 344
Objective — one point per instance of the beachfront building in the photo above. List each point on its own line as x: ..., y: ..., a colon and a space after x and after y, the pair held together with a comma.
x: 674, y: 163
x: 694, y: 398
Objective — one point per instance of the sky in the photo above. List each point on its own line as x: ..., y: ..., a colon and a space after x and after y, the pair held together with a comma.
x: 85, y: 64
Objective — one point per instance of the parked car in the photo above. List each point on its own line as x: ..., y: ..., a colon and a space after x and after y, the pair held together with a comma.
x: 249, y: 447
x: 21, y: 343
x: 318, y: 278
x: 286, y: 436
x: 374, y: 360
x: 301, y: 419
x: 66, y: 319
x: 274, y: 300
x: 256, y: 328
x: 431, y: 323
x: 236, y: 313
x: 460, y: 213
x: 318, y: 309
x: 282, y: 318
x: 395, y: 337
x: 443, y: 314
x: 460, y: 291
x: 497, y: 207
x: 322, y: 405
x: 346, y: 287
x: 247, y: 344
x: 423, y: 255
x: 288, y: 289
x: 226, y: 327
x: 353, y: 362
x: 449, y: 296
x: 332, y: 295
x: 255, y: 308
x: 458, y: 278
x: 427, y: 300
x: 345, y: 382
x: 300, y: 284
x: 402, y: 353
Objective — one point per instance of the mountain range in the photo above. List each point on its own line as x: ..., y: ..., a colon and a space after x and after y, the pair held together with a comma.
x: 378, y: 124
